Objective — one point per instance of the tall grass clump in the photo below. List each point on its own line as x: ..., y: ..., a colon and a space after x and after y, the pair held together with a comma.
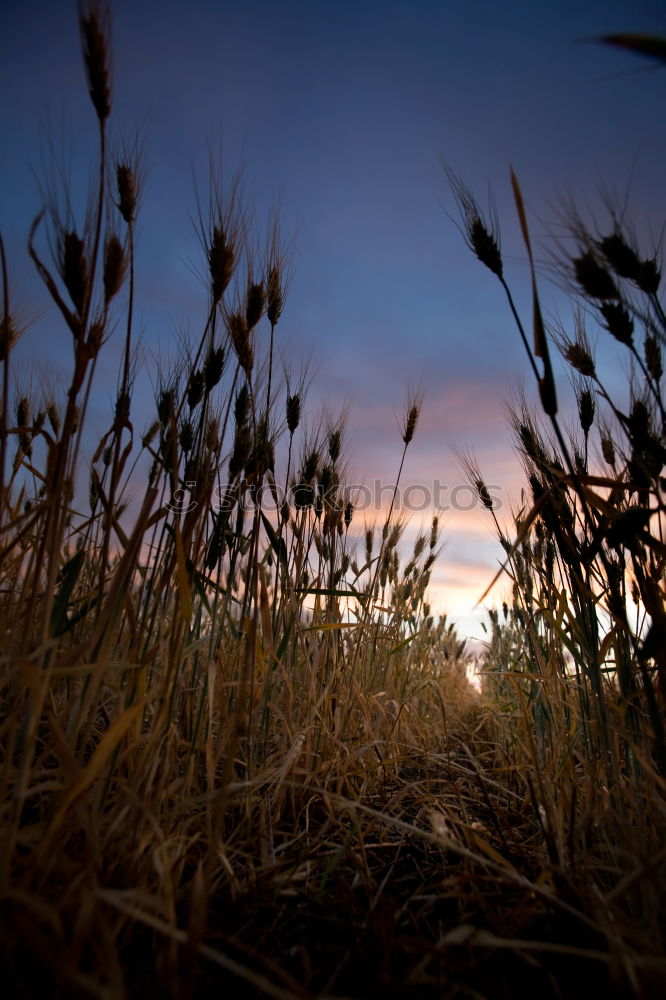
x: 201, y: 673
x: 575, y: 663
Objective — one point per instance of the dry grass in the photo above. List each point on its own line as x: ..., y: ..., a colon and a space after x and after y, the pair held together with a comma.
x: 236, y: 749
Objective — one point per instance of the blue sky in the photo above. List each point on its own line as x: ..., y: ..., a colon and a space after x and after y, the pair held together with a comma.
x: 340, y: 113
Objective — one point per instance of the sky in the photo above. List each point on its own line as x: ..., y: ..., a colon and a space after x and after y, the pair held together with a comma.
x: 340, y: 114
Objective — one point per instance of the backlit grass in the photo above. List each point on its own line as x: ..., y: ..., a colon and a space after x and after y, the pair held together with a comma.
x: 237, y: 749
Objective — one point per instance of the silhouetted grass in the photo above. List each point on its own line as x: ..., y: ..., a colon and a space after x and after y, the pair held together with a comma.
x: 575, y: 663
x: 237, y: 751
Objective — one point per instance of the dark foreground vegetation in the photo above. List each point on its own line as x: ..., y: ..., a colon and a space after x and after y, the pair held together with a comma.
x: 237, y: 751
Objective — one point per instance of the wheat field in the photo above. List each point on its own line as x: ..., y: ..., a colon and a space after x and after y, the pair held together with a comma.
x: 238, y: 751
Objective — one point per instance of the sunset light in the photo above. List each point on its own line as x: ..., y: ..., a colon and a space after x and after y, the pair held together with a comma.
x: 332, y: 499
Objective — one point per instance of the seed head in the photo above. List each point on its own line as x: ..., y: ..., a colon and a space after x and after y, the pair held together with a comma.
x: 411, y: 420
x: 23, y: 419
x: 383, y: 573
x: 150, y: 434
x: 586, y: 409
x: 485, y: 246
x: 649, y: 276
x: 335, y: 445
x: 627, y: 264
x: 327, y: 480
x: 95, y: 336
x: 8, y: 336
x: 419, y: 546
x: 618, y: 322
x: 195, y: 389
x: 580, y: 464
x: 127, y: 191
x: 274, y: 295
x: 93, y: 490
x: 608, y: 449
x: 242, y: 405
x: 310, y: 466
x: 240, y: 339
x: 536, y: 489
x: 241, y: 450
x: 212, y: 439
x: 481, y: 235
x: 262, y: 454
x: 255, y: 300
x: 484, y: 495
x: 74, y: 269
x: 530, y: 442
x: 221, y: 260
x: 165, y: 406
x: 394, y: 536
x: 123, y: 409
x: 620, y: 256
x: 639, y: 424
x: 94, y: 24
x: 213, y: 367
x: 54, y: 417
x: 304, y: 495
x: 293, y: 412
x: 215, y: 548
x: 114, y: 267
x: 593, y: 278
x: 579, y: 358
x: 22, y: 411
x: 653, y: 361
x: 186, y: 436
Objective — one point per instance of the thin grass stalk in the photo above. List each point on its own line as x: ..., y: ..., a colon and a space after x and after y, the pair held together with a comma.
x: 5, y: 347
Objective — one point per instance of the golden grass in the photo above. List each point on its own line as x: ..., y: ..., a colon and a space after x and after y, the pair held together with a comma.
x: 239, y: 753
